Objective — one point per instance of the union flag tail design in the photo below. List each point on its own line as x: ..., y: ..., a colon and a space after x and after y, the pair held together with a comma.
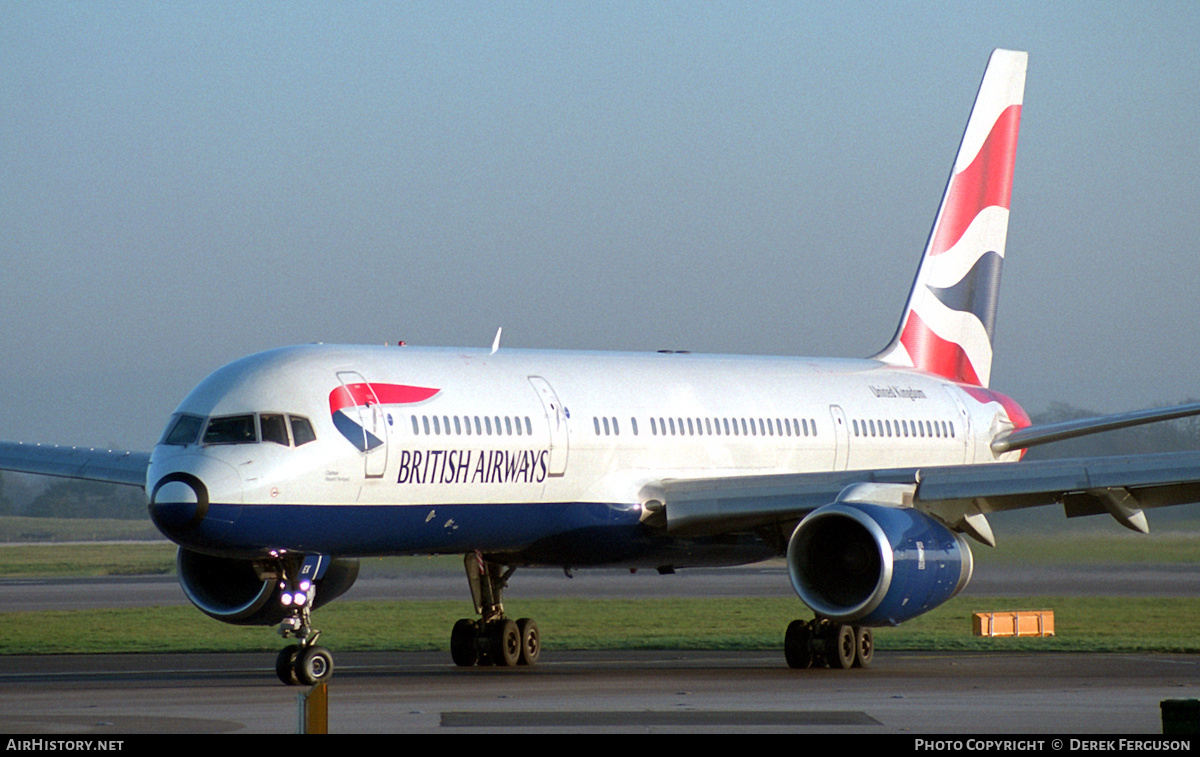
x: 948, y: 323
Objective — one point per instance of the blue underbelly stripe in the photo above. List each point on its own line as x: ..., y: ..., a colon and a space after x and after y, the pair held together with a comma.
x: 362, y: 530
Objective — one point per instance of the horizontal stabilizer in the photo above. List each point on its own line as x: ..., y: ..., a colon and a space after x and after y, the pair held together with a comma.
x: 1057, y: 432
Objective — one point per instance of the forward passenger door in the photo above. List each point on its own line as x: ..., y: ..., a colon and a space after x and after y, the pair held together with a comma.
x: 371, y: 419
x: 556, y: 416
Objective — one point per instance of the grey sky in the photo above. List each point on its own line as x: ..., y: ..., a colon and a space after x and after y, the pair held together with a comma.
x: 182, y: 184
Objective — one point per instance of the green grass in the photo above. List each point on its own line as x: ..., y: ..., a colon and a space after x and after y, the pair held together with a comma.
x: 158, y: 558
x: 1083, y: 624
x: 15, y: 528
x: 101, y: 559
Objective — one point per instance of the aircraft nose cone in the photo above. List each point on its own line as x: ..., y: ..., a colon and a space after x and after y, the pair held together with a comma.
x: 178, y: 503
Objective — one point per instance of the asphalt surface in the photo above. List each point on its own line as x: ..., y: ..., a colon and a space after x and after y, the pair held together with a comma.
x: 104, y: 696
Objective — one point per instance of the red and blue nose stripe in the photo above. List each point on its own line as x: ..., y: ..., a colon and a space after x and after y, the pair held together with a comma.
x: 364, y: 395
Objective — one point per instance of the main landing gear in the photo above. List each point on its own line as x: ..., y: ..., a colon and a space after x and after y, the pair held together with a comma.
x: 820, y: 642
x: 493, y: 639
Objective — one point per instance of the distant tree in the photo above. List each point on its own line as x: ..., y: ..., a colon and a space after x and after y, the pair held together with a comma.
x: 6, y: 505
x: 70, y: 498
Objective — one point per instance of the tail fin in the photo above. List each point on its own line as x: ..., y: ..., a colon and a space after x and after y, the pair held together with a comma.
x: 948, y: 322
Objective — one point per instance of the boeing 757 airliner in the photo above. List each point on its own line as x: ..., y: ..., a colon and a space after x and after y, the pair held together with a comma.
x: 281, y: 469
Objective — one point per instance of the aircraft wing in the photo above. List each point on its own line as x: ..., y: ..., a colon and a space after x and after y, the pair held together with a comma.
x: 958, y: 495
x: 112, y: 466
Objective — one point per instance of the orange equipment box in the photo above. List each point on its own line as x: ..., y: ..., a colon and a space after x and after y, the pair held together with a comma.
x: 1021, y: 623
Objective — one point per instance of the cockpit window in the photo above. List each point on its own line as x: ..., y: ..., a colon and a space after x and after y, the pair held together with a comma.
x: 302, y: 430
x: 184, y: 430
x: 231, y: 429
x: 274, y: 429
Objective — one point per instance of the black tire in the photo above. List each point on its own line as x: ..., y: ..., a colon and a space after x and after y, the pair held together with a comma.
x: 864, y: 651
x: 840, y: 646
x: 285, y: 665
x: 531, y: 642
x: 505, y: 643
x: 314, y: 665
x: 463, y: 647
x: 797, y: 645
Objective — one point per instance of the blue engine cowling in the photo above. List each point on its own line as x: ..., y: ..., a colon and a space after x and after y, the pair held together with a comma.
x: 872, y: 565
x: 247, y: 592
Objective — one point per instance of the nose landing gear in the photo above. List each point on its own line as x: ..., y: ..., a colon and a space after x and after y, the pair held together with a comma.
x: 304, y: 663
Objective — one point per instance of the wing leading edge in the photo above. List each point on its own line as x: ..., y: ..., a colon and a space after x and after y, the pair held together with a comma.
x: 111, y: 466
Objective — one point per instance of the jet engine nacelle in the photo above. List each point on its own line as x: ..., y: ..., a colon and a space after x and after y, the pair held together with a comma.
x: 248, y: 592
x: 872, y: 565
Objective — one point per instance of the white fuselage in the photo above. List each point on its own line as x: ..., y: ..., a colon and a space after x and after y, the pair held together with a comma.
x: 565, y: 427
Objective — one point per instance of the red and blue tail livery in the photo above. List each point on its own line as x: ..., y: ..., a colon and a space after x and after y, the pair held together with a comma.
x: 950, y: 318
